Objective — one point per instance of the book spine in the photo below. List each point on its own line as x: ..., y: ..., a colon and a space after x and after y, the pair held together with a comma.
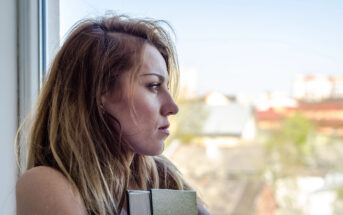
x: 151, y: 207
x: 127, y: 203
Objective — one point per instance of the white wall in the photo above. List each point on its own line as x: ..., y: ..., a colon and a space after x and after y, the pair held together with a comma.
x: 8, y: 104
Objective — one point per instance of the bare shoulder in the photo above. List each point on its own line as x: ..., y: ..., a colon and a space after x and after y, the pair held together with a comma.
x: 44, y: 190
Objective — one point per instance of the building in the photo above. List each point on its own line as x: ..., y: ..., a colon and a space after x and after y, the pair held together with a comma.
x: 227, y: 123
x: 314, y: 88
x: 327, y: 116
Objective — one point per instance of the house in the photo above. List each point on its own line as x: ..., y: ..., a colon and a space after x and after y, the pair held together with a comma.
x: 315, y: 88
x: 227, y: 123
x: 326, y: 115
x: 230, y: 120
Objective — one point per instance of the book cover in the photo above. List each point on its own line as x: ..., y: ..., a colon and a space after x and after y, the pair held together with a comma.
x: 138, y: 202
x: 162, y: 202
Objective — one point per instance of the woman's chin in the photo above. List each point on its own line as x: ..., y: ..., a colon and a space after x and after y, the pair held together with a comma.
x: 151, y: 151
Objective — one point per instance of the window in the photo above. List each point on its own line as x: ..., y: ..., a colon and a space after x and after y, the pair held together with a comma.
x: 256, y: 114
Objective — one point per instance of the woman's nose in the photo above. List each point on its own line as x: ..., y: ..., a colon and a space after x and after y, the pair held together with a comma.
x: 170, y: 107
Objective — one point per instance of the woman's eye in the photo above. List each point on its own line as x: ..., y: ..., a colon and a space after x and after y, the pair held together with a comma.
x: 154, y: 86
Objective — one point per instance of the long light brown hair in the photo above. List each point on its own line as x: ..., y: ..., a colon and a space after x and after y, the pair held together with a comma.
x: 71, y: 132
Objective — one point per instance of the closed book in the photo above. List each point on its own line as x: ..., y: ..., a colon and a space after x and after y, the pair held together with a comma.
x: 162, y: 202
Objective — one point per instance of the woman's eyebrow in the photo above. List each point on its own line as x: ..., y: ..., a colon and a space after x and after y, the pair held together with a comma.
x: 160, y: 77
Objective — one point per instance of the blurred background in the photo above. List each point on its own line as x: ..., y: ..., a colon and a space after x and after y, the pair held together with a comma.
x: 260, y: 127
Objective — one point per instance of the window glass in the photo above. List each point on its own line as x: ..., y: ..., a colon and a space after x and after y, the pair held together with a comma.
x: 260, y: 125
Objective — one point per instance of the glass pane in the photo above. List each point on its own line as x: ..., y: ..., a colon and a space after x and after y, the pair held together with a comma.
x: 260, y: 125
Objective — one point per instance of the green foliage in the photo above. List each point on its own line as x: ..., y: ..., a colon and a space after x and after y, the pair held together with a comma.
x: 296, y: 129
x: 339, y: 192
x: 290, y: 147
x: 296, y: 148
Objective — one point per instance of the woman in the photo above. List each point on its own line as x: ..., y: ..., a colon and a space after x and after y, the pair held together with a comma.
x: 101, y: 121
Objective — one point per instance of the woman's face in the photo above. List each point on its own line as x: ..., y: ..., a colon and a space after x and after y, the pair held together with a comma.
x: 147, y: 128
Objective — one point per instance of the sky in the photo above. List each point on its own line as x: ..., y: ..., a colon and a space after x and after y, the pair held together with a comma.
x: 238, y: 46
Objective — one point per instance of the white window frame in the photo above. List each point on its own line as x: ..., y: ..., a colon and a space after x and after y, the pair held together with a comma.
x: 38, y: 42
x: 30, y: 30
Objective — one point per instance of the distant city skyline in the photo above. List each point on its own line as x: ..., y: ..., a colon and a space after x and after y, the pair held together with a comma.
x: 237, y: 47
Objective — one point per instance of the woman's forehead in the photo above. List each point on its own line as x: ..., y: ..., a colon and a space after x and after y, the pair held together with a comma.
x: 153, y: 63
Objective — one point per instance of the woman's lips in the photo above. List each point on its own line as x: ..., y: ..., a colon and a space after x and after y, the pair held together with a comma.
x: 164, y: 129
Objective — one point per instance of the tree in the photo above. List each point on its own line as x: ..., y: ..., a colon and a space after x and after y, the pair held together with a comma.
x: 289, y: 148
